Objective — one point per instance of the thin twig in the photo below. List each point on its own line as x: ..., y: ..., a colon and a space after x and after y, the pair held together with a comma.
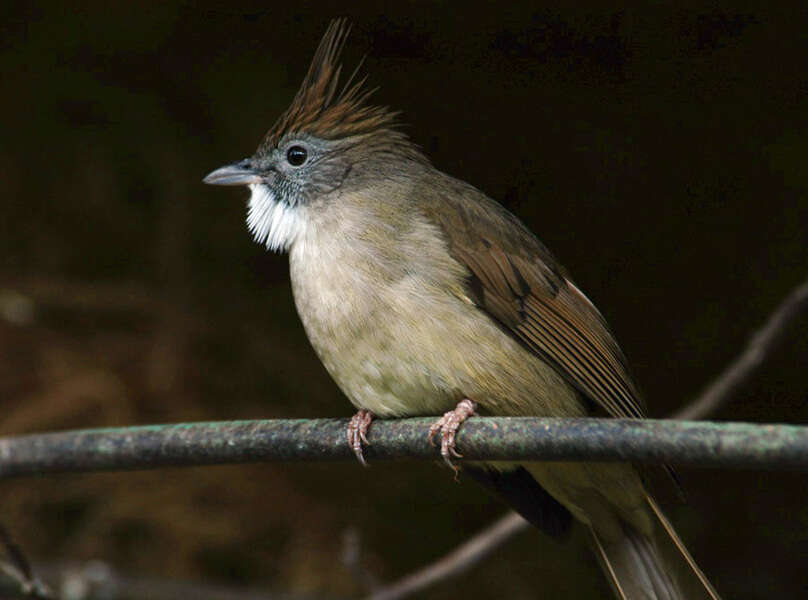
x: 760, y: 345
x: 462, y: 558
x: 18, y: 569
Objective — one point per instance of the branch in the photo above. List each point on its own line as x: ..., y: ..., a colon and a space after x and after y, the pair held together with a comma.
x: 699, y: 443
x: 462, y: 558
x: 18, y: 569
x: 760, y: 345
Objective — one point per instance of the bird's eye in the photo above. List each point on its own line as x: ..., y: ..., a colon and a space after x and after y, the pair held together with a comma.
x: 296, y: 155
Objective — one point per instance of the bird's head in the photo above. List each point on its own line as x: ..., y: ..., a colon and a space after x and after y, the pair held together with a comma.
x: 329, y: 140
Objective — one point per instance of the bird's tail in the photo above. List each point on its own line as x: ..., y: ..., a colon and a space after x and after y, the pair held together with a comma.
x: 655, y: 568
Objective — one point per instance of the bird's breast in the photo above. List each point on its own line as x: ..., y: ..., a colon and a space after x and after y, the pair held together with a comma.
x: 373, y: 331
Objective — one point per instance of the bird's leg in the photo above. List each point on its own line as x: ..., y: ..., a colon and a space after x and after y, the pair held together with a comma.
x: 357, y: 432
x: 448, y: 425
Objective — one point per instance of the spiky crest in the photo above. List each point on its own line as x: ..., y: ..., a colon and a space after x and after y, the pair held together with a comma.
x: 319, y: 110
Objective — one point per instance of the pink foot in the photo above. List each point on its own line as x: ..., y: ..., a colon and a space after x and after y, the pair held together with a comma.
x: 448, y: 425
x: 358, y: 431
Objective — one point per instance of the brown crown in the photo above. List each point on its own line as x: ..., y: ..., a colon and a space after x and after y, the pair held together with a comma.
x: 319, y: 110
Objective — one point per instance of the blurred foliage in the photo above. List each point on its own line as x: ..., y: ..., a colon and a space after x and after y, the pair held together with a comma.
x: 659, y: 151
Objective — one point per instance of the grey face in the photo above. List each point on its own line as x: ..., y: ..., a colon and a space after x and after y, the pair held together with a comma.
x: 299, y: 168
x: 304, y: 168
x: 282, y: 180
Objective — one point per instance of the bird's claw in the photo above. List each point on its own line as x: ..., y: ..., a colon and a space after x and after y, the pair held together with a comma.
x: 448, y: 425
x: 357, y: 433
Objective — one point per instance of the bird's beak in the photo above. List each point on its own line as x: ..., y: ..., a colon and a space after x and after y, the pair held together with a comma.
x: 240, y: 173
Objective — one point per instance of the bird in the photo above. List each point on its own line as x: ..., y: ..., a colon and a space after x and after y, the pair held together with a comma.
x: 423, y: 296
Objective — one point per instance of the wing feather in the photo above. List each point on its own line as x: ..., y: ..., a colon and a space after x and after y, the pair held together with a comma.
x: 516, y: 281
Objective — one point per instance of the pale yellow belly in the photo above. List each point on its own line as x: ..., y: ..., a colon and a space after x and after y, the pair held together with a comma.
x: 403, y: 351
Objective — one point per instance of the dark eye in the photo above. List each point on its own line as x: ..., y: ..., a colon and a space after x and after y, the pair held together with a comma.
x: 296, y: 155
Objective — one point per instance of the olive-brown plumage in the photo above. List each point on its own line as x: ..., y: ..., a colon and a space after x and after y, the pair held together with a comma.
x: 420, y: 294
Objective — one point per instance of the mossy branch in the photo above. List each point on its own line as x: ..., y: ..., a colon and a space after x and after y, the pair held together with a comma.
x: 706, y: 444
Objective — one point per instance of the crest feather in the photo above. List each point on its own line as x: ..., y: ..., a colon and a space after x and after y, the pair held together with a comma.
x: 319, y: 109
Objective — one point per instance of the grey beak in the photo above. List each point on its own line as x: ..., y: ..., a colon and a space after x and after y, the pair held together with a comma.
x: 240, y: 173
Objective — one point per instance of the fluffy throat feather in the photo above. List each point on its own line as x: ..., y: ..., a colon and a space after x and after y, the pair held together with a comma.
x: 272, y: 222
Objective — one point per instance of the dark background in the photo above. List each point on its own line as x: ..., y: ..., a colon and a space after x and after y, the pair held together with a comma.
x: 659, y: 152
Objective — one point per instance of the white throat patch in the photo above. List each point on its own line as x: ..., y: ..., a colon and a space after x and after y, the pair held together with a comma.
x: 272, y: 223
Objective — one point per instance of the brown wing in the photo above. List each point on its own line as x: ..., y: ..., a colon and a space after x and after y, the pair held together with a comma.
x: 515, y: 279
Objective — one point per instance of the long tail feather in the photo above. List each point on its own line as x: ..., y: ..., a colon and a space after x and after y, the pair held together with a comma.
x: 608, y: 568
x: 652, y: 568
x: 694, y: 572
x: 635, y: 569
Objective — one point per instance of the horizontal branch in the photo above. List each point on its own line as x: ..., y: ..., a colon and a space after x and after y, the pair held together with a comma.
x: 700, y: 443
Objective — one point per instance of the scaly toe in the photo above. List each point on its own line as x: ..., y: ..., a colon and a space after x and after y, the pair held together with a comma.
x: 432, y: 431
x: 357, y: 433
x: 448, y: 425
x: 436, y: 427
